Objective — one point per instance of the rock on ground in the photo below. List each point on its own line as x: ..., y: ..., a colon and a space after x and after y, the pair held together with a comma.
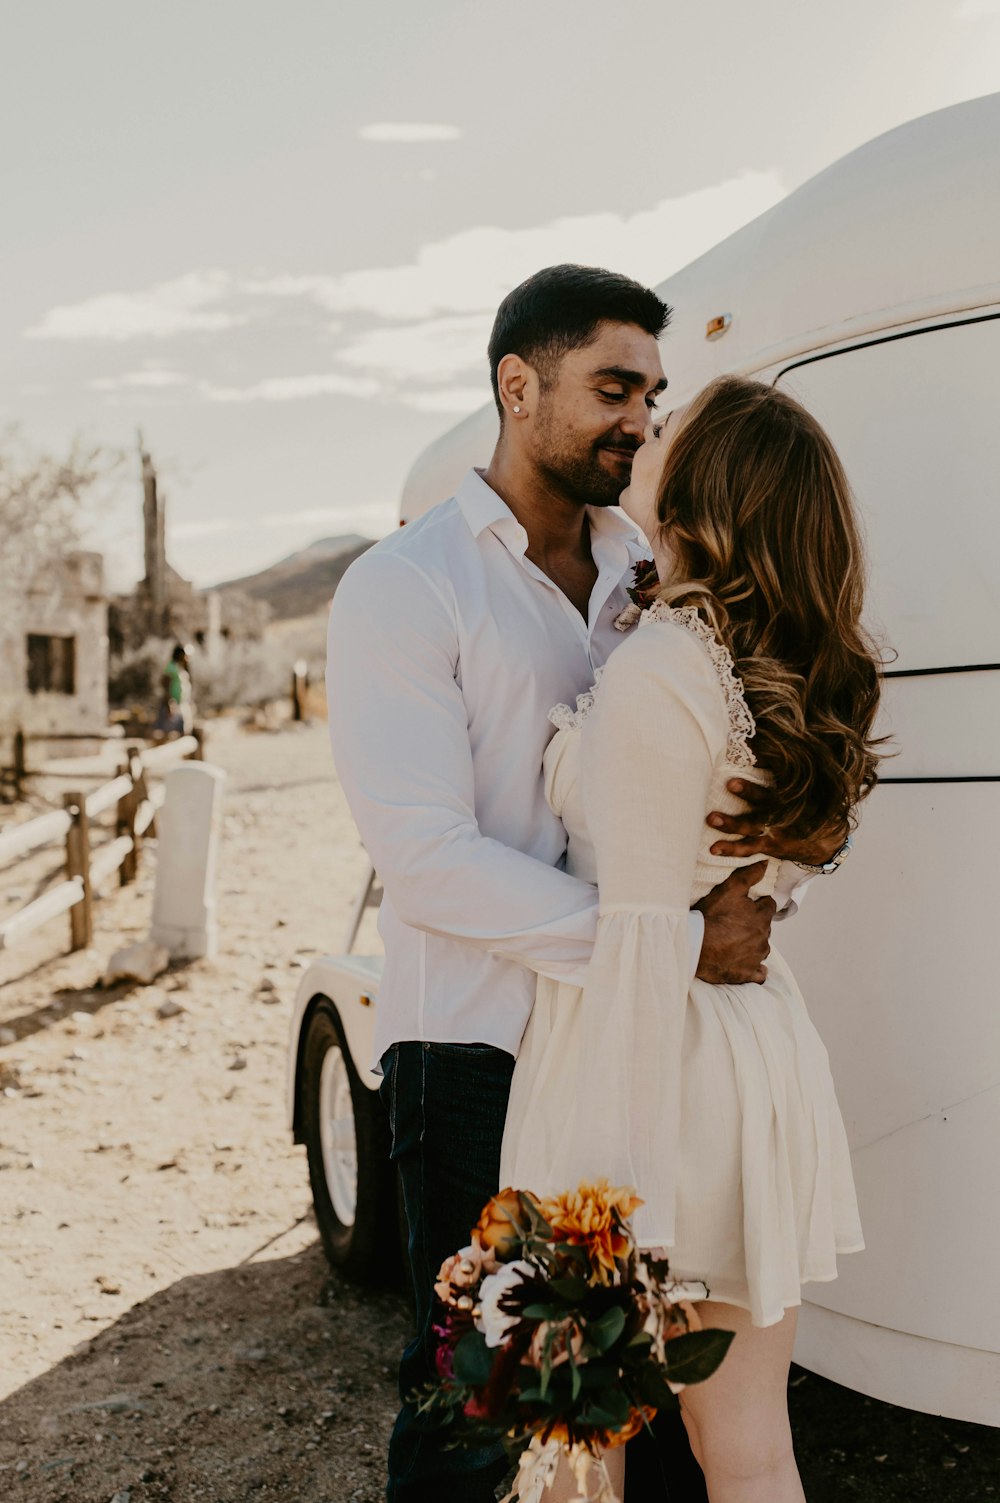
x: 141, y: 962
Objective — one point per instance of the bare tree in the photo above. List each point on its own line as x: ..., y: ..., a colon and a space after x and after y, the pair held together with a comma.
x: 46, y: 501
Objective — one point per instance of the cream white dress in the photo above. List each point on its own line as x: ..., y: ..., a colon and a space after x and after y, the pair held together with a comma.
x: 716, y: 1102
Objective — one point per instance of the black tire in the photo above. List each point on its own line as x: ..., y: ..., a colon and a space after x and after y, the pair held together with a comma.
x: 367, y: 1248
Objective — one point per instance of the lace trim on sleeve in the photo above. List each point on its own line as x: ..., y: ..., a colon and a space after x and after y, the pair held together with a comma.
x: 566, y: 719
x: 741, y: 723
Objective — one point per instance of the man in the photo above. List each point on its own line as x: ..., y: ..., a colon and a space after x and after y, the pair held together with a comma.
x: 449, y: 643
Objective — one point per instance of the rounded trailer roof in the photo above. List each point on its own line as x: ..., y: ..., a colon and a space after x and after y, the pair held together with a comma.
x: 436, y: 471
x: 906, y: 227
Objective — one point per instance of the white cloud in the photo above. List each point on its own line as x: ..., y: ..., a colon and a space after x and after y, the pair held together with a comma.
x: 152, y: 378
x: 181, y: 306
x: 432, y: 350
x: 293, y: 388
x: 419, y: 325
x: 472, y: 271
x: 203, y: 529
x: 976, y: 10
x: 458, y: 399
x: 408, y: 134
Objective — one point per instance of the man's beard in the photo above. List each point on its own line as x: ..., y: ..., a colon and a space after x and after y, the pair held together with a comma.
x: 578, y: 469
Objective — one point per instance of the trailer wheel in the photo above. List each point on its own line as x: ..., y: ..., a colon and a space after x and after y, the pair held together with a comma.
x: 346, y: 1133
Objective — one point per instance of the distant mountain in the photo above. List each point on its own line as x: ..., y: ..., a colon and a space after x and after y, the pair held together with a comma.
x: 303, y: 582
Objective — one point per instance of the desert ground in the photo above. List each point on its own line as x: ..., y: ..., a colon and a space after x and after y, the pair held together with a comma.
x: 169, y: 1329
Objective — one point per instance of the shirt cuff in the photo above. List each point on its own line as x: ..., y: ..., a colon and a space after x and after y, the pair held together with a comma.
x: 792, y: 898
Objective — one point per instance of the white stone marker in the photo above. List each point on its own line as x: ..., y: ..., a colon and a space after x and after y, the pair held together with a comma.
x: 188, y: 828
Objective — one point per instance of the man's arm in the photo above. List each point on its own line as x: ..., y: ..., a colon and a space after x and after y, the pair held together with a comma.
x: 400, y: 739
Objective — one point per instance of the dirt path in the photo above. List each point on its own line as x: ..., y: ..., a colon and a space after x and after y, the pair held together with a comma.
x: 166, y: 1314
x: 168, y: 1327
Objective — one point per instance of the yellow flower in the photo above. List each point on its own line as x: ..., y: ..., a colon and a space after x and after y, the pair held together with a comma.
x: 593, y: 1217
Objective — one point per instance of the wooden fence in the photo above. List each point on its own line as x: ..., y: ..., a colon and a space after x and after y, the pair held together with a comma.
x: 135, y: 806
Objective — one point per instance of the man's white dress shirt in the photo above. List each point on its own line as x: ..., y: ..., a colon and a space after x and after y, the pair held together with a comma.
x: 447, y: 650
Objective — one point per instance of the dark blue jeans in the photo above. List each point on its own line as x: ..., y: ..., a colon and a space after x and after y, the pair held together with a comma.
x: 447, y: 1104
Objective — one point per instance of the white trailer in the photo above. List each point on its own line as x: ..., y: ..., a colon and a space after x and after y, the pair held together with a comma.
x: 873, y: 293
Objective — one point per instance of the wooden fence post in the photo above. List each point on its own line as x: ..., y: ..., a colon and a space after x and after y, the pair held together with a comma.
x: 198, y: 732
x: 20, y: 764
x: 138, y: 767
x: 81, y: 920
x: 128, y: 807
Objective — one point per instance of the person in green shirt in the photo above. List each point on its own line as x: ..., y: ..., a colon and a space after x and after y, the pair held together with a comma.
x: 175, y: 716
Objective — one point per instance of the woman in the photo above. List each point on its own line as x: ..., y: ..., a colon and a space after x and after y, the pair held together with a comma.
x: 750, y: 661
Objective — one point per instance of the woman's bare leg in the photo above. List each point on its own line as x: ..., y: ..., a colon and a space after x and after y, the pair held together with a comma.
x: 738, y: 1419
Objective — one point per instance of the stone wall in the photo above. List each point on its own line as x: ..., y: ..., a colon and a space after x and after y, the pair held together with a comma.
x: 65, y: 601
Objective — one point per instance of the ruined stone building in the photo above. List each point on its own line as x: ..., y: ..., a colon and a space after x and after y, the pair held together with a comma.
x: 54, y: 650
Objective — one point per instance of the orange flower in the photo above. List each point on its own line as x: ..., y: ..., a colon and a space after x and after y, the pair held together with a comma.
x: 607, y: 1440
x: 636, y: 1420
x: 497, y: 1226
x: 593, y: 1217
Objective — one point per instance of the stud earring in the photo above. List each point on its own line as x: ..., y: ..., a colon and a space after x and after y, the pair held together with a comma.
x: 517, y: 409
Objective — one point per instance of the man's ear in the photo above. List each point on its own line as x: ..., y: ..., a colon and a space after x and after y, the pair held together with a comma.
x: 518, y: 385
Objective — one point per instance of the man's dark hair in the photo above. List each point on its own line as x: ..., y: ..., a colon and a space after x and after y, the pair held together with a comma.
x: 180, y: 651
x: 559, y: 309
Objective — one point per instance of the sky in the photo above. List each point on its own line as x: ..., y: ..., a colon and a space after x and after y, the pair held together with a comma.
x: 272, y: 236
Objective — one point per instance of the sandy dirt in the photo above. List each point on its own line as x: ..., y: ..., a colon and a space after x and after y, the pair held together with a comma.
x: 168, y: 1327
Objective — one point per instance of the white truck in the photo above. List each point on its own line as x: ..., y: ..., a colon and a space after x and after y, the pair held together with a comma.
x: 873, y: 293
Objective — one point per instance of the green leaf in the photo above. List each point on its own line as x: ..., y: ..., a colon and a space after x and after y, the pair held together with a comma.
x: 575, y: 1384
x: 532, y: 1396
x: 603, y: 1332
x: 596, y: 1374
x: 695, y: 1357
x: 536, y: 1222
x: 611, y: 1407
x: 652, y: 1388
x: 570, y: 1287
x: 473, y: 1362
x: 543, y: 1312
x: 573, y: 1253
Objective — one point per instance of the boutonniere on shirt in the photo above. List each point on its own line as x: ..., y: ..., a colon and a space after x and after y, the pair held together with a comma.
x: 642, y: 592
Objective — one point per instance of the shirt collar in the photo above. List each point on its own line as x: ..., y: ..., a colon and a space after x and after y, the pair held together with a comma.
x: 483, y: 508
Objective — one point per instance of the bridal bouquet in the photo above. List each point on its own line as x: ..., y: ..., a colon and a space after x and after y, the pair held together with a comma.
x: 558, y: 1336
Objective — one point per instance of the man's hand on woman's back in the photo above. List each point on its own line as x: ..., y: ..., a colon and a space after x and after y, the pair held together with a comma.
x: 758, y: 832
x: 737, y: 929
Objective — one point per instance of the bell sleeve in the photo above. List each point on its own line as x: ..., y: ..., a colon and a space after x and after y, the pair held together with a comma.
x: 648, y: 752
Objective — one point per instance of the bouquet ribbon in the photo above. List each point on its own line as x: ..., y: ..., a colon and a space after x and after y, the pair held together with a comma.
x: 539, y: 1464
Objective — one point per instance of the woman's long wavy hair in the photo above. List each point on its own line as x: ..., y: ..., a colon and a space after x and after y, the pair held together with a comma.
x: 759, y: 519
